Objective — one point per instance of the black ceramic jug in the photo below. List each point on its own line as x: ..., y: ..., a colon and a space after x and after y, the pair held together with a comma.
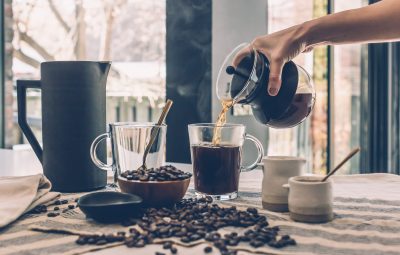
x: 73, y: 114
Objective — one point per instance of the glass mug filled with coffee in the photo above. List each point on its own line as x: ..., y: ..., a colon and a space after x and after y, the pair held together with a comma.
x: 216, y: 152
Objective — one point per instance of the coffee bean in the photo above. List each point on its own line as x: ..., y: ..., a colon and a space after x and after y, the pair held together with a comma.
x: 185, y: 239
x: 65, y: 201
x: 144, y: 178
x: 174, y: 250
x: 276, y: 228
x: 252, y: 210
x: 208, y: 249
x: 71, y: 206
x: 101, y: 242
x: 81, y: 240
x: 291, y: 242
x: 57, y: 202
x: 56, y: 208
x: 140, y: 244
x: 256, y: 243
x: 195, y: 237
x: 159, y: 253
x: 92, y: 240
x: 52, y: 214
x: 167, y: 245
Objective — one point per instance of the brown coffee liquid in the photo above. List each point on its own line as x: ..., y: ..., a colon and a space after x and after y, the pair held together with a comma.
x: 216, y: 169
x: 221, y: 120
x: 298, y: 110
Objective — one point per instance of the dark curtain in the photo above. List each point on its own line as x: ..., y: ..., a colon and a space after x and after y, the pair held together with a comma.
x: 188, y: 80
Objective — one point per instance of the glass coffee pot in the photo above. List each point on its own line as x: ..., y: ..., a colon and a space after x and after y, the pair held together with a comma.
x: 247, y: 83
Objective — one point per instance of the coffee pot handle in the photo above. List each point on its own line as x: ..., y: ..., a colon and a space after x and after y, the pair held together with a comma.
x: 93, y: 153
x: 260, y: 150
x: 22, y: 85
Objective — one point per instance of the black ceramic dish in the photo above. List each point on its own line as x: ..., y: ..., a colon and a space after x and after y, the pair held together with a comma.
x: 110, y: 206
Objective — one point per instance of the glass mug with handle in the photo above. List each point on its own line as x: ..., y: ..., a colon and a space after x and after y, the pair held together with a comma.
x: 217, y: 165
x: 128, y: 144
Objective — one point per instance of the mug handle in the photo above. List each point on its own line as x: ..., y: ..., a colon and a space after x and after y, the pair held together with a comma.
x: 93, y: 153
x: 260, y: 150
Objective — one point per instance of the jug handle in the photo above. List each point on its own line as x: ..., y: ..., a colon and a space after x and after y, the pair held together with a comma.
x: 22, y: 85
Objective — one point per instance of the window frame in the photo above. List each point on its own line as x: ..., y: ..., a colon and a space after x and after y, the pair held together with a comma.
x: 2, y: 72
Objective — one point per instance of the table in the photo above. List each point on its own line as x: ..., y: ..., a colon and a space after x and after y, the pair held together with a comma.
x: 367, y: 220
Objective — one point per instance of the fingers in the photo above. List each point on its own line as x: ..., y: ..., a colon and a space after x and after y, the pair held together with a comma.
x: 241, y: 54
x: 275, y: 74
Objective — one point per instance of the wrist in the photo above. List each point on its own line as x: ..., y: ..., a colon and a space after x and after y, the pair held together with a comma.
x: 307, y: 32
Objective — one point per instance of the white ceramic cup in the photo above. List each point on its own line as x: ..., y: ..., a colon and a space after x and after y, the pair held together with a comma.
x: 277, y: 170
x: 310, y: 200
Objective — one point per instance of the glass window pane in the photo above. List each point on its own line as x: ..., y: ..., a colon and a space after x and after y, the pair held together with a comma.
x: 348, y: 77
x: 131, y: 33
x: 310, y: 138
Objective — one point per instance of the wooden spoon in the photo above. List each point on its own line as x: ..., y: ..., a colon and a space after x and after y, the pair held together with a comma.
x: 154, y: 132
x: 349, y: 156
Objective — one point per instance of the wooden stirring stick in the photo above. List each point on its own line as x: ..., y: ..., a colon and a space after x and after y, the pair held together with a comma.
x: 154, y: 132
x: 349, y: 156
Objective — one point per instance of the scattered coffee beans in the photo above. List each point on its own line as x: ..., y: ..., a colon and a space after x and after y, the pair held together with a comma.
x: 195, y: 219
x: 52, y: 214
x: 164, y: 173
x: 39, y: 209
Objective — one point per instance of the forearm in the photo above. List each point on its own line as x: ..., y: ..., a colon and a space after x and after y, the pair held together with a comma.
x: 374, y: 23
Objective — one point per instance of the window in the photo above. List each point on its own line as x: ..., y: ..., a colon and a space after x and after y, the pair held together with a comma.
x: 133, y: 34
x: 309, y: 139
x: 129, y: 32
x: 349, y: 75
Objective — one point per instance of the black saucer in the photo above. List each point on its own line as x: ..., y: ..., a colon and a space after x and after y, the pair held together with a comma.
x: 110, y: 206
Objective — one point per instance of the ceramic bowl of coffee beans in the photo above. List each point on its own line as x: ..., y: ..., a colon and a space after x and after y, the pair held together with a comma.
x: 161, y: 186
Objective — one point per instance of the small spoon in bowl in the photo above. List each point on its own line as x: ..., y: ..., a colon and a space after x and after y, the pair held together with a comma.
x: 349, y: 156
x: 154, y: 132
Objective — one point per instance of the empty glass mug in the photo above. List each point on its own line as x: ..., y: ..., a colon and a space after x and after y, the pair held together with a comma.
x: 128, y: 144
x: 217, y: 158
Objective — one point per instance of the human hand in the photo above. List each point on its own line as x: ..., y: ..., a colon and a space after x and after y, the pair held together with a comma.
x: 279, y: 47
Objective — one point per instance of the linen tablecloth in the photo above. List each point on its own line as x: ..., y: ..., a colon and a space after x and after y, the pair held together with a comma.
x: 367, y: 221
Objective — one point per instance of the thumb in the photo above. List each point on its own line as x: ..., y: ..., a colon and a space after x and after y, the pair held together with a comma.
x: 275, y: 81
